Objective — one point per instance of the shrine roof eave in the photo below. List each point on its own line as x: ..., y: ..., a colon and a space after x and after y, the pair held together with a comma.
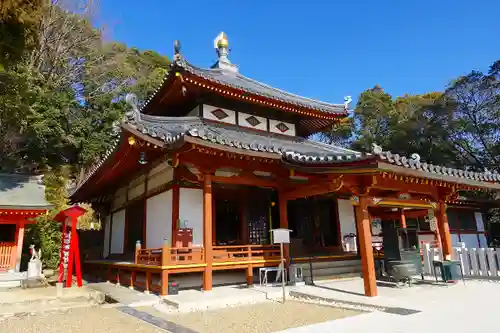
x: 38, y: 209
x: 176, y: 130
x: 249, y: 90
x: 387, y: 162
x: 22, y: 192
x: 387, y: 167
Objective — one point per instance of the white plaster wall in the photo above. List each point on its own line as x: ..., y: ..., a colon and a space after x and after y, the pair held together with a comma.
x: 107, y: 226
x: 137, y: 187
x: 273, y: 123
x: 159, y: 220
x: 120, y: 198
x: 242, y: 121
x: 479, y: 221
x: 483, y: 242
x: 208, y: 114
x: 160, y: 175
x: 470, y: 240
x: 118, y: 232
x: 346, y: 217
x: 455, y: 240
x: 159, y: 168
x: 191, y: 211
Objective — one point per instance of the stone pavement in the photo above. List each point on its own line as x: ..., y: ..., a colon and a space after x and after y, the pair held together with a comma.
x: 21, y: 302
x: 469, y: 307
x: 196, y: 300
x: 124, y: 295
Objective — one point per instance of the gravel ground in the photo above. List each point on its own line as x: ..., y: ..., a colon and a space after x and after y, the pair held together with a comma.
x: 85, y: 320
x: 269, y: 316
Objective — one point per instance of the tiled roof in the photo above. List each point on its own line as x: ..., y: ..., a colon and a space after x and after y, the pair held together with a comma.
x: 95, y: 167
x: 173, y: 129
x: 22, y: 192
x: 415, y: 163
x: 237, y: 81
x: 412, y: 162
x: 297, y: 150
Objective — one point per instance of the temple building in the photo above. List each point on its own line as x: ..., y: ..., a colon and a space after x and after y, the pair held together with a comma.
x: 213, y: 160
x: 22, y: 199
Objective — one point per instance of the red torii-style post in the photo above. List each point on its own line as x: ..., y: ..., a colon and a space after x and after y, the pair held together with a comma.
x: 67, y: 216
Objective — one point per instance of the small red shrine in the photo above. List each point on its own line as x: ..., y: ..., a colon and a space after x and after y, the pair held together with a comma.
x: 22, y: 199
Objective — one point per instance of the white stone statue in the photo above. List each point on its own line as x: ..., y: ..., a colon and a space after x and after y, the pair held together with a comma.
x: 35, y: 255
x: 35, y: 263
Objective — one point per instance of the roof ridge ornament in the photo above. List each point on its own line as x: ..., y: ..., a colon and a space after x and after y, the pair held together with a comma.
x: 221, y: 46
x: 376, y: 149
x: 347, y: 101
x: 131, y: 100
x: 177, y: 51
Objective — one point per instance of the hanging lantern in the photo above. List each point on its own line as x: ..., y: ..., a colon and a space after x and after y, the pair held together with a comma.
x: 142, y: 158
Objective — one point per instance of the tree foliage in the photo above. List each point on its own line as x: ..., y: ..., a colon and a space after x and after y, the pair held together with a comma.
x: 59, y: 104
x: 61, y: 97
x: 18, y: 19
x: 457, y: 127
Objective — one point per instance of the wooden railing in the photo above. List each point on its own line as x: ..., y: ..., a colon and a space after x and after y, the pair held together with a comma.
x: 184, y: 256
x: 245, y: 252
x: 164, y: 256
x: 148, y: 256
x: 6, y: 255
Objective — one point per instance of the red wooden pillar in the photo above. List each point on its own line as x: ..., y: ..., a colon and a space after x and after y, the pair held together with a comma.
x: 444, y: 231
x: 207, y: 231
x: 19, y: 246
x: 402, y: 218
x: 365, y: 246
x: 176, y: 192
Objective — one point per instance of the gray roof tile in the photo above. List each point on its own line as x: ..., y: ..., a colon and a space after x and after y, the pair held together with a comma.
x: 22, y: 191
x: 241, y: 82
x: 412, y: 162
x: 172, y: 129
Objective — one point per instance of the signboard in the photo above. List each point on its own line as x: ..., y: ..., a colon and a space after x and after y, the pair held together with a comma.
x: 433, y: 224
x: 281, y: 236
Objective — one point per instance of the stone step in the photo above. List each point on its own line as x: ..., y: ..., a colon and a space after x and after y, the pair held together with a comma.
x: 124, y: 295
x: 328, y: 270
x: 307, y: 279
x: 328, y: 264
x: 332, y: 271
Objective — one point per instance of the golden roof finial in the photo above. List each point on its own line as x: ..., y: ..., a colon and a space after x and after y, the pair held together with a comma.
x: 221, y: 41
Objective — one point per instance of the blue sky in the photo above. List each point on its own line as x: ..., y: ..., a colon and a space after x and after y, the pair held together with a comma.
x: 322, y: 49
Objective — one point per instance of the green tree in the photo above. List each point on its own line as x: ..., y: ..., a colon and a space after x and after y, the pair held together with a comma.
x: 476, y: 132
x: 60, y: 101
x: 374, y: 119
x: 18, y: 20
x: 60, y: 104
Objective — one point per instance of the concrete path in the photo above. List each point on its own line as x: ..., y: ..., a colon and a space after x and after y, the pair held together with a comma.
x: 125, y: 296
x: 457, y: 308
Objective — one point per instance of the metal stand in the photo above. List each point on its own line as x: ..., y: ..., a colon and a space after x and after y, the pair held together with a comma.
x: 311, y: 271
x: 282, y: 271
